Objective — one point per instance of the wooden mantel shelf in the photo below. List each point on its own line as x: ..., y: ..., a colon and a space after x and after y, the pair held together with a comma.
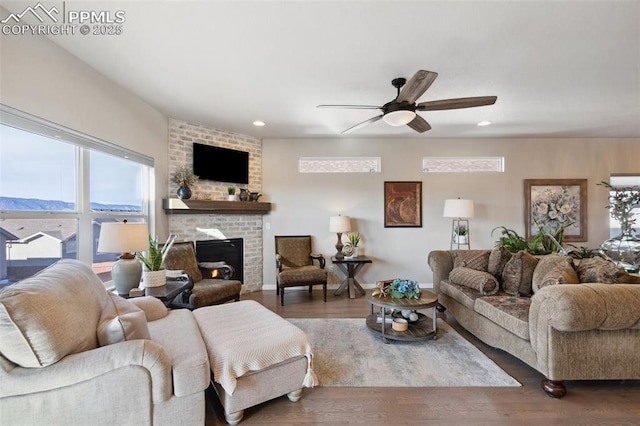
x: 178, y: 206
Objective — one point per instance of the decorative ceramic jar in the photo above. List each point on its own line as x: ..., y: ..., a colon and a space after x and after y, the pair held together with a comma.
x: 184, y: 192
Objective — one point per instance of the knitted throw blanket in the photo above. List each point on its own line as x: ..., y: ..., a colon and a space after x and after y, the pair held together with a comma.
x: 245, y: 336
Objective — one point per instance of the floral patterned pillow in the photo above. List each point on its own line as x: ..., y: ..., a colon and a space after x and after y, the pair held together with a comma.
x: 518, y: 274
x: 598, y: 270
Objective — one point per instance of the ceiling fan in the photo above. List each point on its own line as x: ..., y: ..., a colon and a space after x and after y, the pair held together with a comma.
x: 402, y: 109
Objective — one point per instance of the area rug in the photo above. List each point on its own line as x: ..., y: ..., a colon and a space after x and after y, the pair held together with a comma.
x: 347, y: 353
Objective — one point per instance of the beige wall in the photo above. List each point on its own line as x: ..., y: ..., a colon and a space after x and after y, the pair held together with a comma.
x: 303, y: 203
x: 39, y: 77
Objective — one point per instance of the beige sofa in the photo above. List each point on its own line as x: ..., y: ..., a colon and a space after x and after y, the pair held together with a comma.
x: 585, y: 331
x: 72, y: 353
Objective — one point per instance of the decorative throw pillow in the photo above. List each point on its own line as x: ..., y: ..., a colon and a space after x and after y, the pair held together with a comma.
x: 546, y: 264
x: 482, y: 281
x: 498, y: 257
x: 121, y: 320
x: 561, y: 274
x: 474, y: 259
x: 599, y: 270
x: 518, y: 274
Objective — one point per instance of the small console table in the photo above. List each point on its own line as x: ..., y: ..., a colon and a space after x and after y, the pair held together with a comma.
x: 350, y: 267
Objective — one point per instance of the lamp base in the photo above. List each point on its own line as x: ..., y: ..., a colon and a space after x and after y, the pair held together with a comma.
x: 339, y: 247
x: 126, y: 274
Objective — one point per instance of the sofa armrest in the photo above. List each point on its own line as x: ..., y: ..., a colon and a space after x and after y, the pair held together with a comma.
x: 90, y: 365
x: 441, y: 263
x: 153, y: 308
x: 583, y: 307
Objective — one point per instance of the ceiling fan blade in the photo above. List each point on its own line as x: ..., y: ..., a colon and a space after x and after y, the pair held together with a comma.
x: 364, y: 123
x: 456, y: 103
x: 419, y: 124
x: 415, y: 87
x: 349, y: 106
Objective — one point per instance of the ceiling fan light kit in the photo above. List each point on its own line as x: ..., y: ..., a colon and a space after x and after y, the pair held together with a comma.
x: 402, y: 110
x: 399, y: 117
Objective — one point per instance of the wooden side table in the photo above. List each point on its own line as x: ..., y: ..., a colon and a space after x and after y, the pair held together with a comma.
x: 350, y: 267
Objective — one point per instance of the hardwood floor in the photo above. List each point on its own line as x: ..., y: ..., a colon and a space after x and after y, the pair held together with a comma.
x: 586, y: 402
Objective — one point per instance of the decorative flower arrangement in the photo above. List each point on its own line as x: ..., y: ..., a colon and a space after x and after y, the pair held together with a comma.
x: 622, y: 202
x: 183, y: 176
x: 554, y: 209
x: 398, y: 289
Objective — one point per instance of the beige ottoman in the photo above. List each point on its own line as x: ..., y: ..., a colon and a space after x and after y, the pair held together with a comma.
x: 255, y: 355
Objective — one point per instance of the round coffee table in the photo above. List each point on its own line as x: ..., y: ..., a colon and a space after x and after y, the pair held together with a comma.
x: 422, y: 329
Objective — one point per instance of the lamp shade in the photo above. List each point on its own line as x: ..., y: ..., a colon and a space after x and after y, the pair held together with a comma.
x: 123, y: 237
x: 399, y: 117
x: 458, y: 208
x: 339, y: 224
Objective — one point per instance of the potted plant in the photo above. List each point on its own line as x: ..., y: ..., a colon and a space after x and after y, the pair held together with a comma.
x: 354, y: 240
x: 153, y: 274
x: 231, y: 191
x: 184, y: 177
x: 461, y: 233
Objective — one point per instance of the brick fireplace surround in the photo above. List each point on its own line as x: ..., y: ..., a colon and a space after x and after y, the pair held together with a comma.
x: 194, y: 227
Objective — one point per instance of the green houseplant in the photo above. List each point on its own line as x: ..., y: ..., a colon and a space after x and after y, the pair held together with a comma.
x: 153, y: 274
x: 231, y: 191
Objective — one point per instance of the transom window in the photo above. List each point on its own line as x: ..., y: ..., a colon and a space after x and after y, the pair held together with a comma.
x: 462, y: 164
x: 339, y: 165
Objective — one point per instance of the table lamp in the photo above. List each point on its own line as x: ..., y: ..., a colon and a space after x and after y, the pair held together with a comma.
x: 125, y: 238
x: 461, y: 211
x: 339, y: 224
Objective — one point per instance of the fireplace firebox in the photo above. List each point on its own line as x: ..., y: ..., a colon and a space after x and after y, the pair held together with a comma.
x: 231, y: 251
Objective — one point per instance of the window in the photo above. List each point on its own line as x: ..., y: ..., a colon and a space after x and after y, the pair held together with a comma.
x: 339, y: 165
x: 623, y: 181
x: 462, y: 164
x: 57, y: 187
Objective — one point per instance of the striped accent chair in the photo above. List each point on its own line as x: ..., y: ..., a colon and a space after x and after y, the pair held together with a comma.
x: 295, y: 265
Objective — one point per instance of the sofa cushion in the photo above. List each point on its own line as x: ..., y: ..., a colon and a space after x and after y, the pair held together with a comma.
x: 482, y: 281
x: 553, y: 269
x: 121, y: 321
x: 498, y: 258
x: 509, y: 312
x: 474, y: 259
x: 599, y: 270
x: 51, y: 314
x: 518, y: 274
x: 464, y: 295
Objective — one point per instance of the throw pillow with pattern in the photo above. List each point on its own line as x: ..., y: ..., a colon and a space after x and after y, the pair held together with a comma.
x: 498, y: 258
x: 474, y: 259
x: 599, y: 270
x: 518, y: 274
x: 482, y: 281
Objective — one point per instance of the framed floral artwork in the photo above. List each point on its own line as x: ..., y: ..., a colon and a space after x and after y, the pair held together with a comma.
x: 402, y: 204
x: 552, y: 204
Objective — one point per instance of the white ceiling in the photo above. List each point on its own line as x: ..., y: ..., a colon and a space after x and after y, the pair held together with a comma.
x: 558, y: 68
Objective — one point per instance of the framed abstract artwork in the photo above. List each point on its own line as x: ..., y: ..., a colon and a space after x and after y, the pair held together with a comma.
x: 402, y: 204
x: 552, y: 204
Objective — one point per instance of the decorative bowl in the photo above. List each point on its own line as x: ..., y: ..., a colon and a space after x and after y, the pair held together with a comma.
x: 400, y: 324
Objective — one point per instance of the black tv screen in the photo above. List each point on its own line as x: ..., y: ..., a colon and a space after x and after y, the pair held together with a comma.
x: 220, y: 164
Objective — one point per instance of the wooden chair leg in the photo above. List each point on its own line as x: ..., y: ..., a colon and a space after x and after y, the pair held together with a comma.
x: 324, y: 292
x: 282, y: 296
x: 310, y: 289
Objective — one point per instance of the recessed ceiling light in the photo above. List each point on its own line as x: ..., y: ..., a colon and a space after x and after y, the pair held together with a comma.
x: 484, y: 123
x: 259, y: 123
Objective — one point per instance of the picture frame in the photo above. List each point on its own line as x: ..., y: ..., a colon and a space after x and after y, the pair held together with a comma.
x: 555, y: 203
x: 403, y: 204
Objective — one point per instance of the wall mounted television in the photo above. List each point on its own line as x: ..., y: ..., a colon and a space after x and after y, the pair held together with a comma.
x: 220, y: 164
